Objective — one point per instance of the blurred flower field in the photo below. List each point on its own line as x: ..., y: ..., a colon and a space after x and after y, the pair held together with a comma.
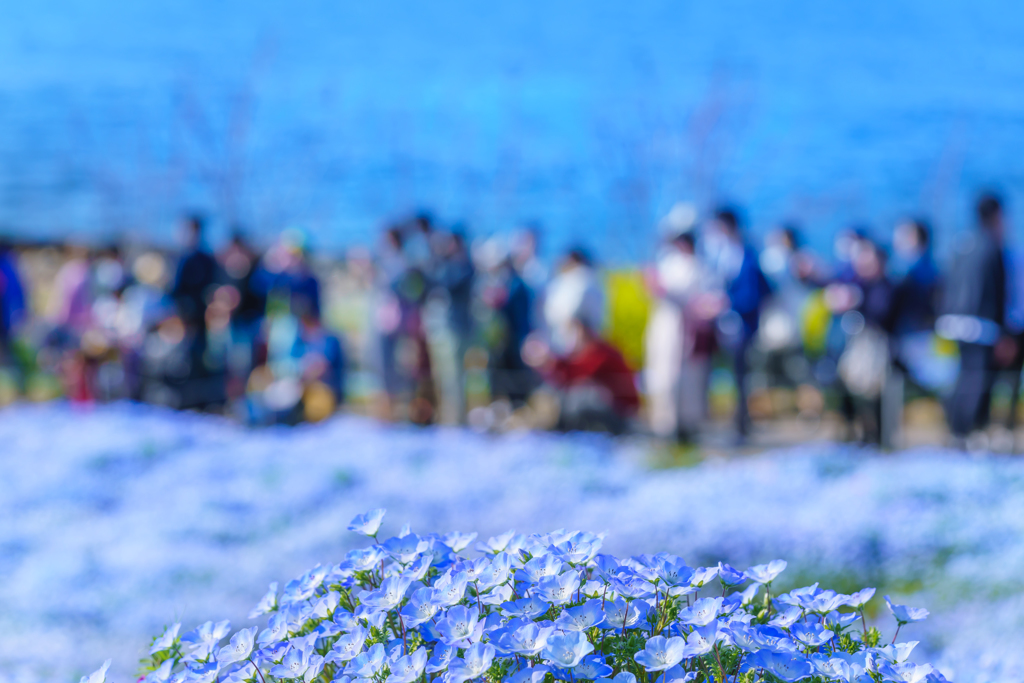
x: 123, y: 519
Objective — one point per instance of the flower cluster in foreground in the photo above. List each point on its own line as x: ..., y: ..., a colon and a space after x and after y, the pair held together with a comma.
x: 536, y: 609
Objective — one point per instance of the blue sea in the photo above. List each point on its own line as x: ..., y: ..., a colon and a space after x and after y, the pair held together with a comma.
x: 591, y: 118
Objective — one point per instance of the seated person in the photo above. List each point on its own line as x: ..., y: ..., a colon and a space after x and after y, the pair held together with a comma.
x: 595, y: 386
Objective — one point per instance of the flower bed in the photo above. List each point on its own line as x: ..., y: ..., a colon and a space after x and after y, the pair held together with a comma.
x: 536, y: 609
x: 126, y: 518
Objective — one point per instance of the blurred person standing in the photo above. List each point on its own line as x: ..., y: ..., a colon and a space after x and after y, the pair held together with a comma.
x: 974, y: 315
x: 791, y: 271
x: 863, y: 308
x: 247, y: 283
x: 12, y: 301
x: 506, y: 295
x: 526, y: 260
x: 404, y: 360
x: 746, y: 290
x: 915, y: 301
x: 675, y: 371
x: 195, y: 278
x: 456, y: 276
x: 574, y: 292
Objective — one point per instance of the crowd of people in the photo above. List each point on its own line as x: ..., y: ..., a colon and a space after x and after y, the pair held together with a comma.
x: 481, y: 331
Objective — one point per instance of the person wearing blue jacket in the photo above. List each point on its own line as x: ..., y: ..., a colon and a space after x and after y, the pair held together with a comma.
x: 746, y: 290
x: 12, y: 298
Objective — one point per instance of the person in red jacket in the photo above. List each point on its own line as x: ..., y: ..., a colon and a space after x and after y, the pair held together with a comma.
x: 596, y: 387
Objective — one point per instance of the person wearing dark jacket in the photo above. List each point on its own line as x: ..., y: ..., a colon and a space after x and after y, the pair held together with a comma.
x: 196, y: 276
x: 747, y: 289
x: 973, y: 315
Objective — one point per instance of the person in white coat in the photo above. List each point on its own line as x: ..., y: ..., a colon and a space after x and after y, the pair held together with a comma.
x: 675, y: 371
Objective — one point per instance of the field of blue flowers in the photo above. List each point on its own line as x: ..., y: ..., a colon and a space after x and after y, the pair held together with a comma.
x: 125, y: 519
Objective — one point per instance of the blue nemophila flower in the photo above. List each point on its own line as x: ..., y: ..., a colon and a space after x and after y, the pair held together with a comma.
x: 458, y: 541
x: 904, y: 614
x: 324, y: 607
x: 622, y: 615
x: 627, y: 583
x: 367, y: 558
x: 581, y: 618
x: 390, y: 594
x: 896, y: 653
x: 860, y: 598
x: 305, y: 586
x: 676, y: 675
x: 591, y: 668
x: 811, y: 634
x: 661, y: 653
x: 673, y: 571
x: 766, y: 573
x: 605, y: 565
x: 800, y: 597
x: 742, y: 636
x: 367, y: 523
x: 206, y: 637
x: 166, y: 640
x: 314, y: 667
x: 496, y: 544
x: 826, y: 601
x: 420, y: 608
x: 236, y: 673
x: 703, y: 576
x: 405, y: 549
x: 837, y: 621
x: 367, y: 663
x: 293, y: 665
x: 239, y: 648
x: 496, y: 572
x: 729, y: 575
x: 267, y: 603
x: 835, y: 667
x: 702, y: 612
x: 624, y: 677
x: 473, y: 568
x: 460, y: 627
x: 749, y: 593
x: 276, y: 630
x: 529, y: 639
x: 788, y: 667
x: 97, y: 676
x: 774, y: 639
x: 476, y: 661
x: 345, y: 621
x: 567, y: 650
x: 540, y: 567
x: 559, y: 589
x: 905, y: 673
x: 643, y: 567
x: 701, y: 640
x: 161, y: 673
x: 205, y: 672
x: 449, y: 588
x: 531, y: 674
x: 419, y: 567
x: 408, y: 668
x: 496, y: 596
x: 527, y: 608
x: 787, y: 618
x: 442, y: 656
x: 577, y: 549
x: 348, y: 646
